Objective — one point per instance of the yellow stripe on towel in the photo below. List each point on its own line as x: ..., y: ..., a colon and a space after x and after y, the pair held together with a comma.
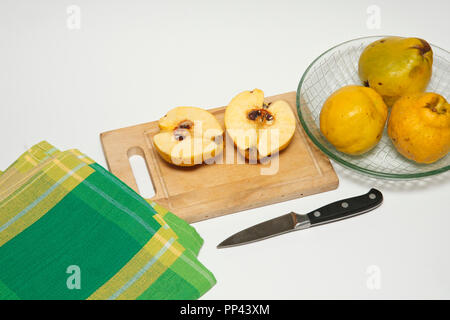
x: 146, y: 266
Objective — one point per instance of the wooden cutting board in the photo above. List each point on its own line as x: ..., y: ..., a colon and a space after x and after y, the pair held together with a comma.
x: 208, y: 191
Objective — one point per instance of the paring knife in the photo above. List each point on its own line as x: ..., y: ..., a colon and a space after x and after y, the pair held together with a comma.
x: 292, y: 222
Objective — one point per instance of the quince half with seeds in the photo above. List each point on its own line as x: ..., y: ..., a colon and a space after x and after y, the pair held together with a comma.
x: 259, y: 129
x: 188, y: 136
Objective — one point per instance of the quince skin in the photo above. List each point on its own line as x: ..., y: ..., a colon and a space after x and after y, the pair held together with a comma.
x: 396, y: 66
x: 419, y: 127
x: 353, y: 118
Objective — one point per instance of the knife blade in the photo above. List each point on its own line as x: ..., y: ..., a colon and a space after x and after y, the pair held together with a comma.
x: 332, y: 212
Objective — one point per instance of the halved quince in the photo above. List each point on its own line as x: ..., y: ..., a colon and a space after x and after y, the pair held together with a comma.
x: 259, y: 129
x: 188, y: 136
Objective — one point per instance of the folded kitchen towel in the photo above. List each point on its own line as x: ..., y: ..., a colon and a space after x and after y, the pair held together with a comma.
x: 69, y: 229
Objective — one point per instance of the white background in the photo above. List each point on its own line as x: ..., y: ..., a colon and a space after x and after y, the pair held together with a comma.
x: 131, y: 61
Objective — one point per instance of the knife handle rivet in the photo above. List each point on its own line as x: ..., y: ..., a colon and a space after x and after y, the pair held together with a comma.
x: 316, y: 214
x: 344, y: 205
x: 372, y: 196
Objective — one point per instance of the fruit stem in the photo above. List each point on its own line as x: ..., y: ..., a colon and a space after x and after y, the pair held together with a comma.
x: 438, y: 105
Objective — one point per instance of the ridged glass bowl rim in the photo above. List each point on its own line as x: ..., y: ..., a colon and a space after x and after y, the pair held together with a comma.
x: 336, y: 157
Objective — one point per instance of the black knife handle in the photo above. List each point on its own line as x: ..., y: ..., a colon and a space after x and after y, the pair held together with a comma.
x: 346, y: 208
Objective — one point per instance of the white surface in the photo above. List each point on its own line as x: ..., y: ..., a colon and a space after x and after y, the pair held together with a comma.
x: 133, y: 60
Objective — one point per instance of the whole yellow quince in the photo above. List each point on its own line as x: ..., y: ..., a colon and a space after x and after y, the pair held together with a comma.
x: 419, y: 127
x: 353, y: 119
x: 396, y: 66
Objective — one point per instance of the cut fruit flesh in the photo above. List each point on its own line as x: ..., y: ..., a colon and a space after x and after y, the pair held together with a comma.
x: 255, y: 126
x: 188, y: 136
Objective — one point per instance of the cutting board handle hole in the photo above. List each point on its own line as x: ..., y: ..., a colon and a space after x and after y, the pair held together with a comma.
x: 136, y: 157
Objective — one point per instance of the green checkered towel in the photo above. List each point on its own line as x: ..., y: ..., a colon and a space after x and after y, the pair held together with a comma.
x: 69, y: 229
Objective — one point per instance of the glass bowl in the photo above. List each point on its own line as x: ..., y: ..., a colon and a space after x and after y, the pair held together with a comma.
x: 338, y: 67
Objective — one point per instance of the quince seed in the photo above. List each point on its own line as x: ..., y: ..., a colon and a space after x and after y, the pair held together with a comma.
x: 185, y: 124
x: 252, y: 115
